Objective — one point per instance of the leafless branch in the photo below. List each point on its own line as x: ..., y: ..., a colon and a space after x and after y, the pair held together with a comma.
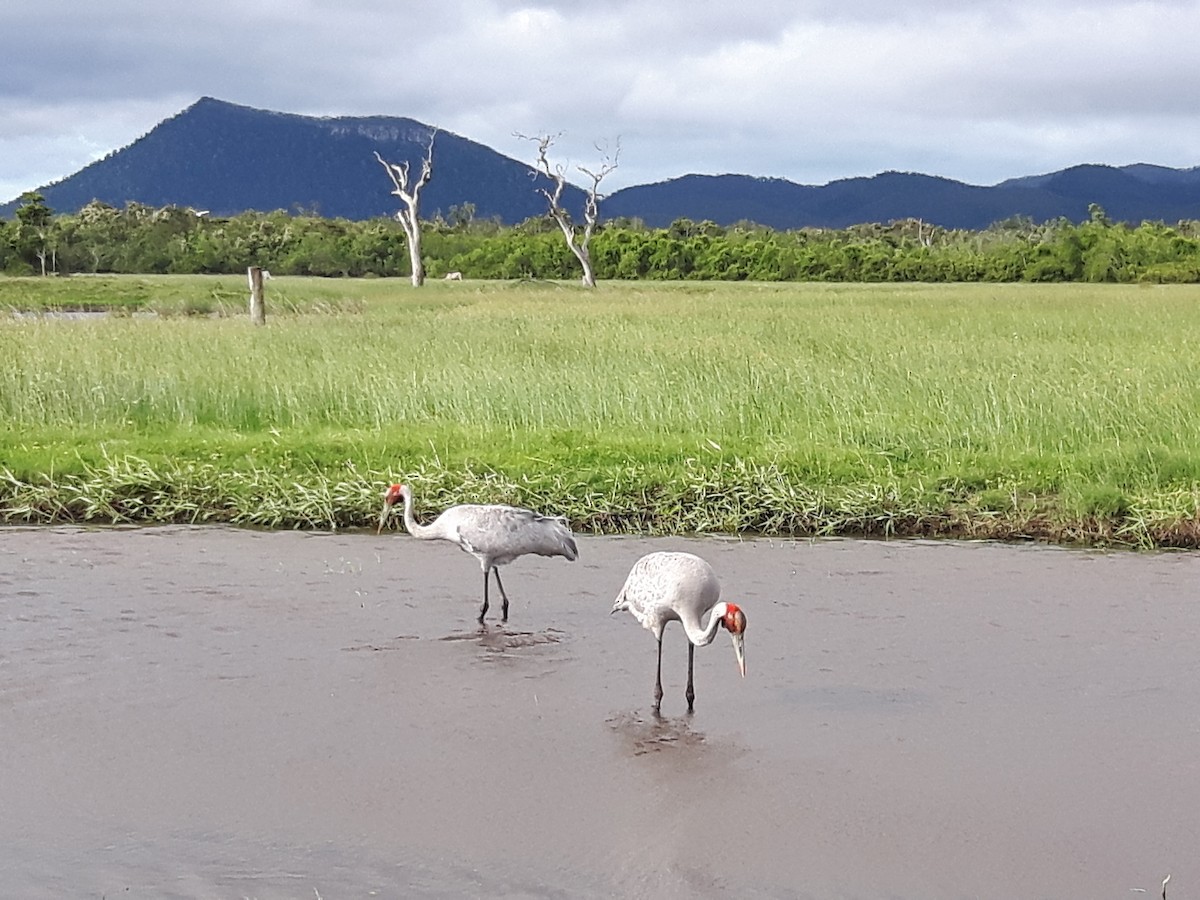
x: 398, y: 172
x: 578, y: 237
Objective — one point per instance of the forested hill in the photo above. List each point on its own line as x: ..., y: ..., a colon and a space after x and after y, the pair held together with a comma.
x: 226, y: 159
x: 1130, y: 194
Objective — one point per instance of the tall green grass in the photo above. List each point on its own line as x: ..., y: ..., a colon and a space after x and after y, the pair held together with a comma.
x: 1066, y: 410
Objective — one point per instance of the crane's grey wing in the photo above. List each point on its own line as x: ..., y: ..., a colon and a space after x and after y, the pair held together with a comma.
x: 648, y: 592
x: 670, y: 586
x: 506, y: 532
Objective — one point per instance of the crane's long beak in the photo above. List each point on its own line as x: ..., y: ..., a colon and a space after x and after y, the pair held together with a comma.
x: 383, y: 516
x: 739, y: 647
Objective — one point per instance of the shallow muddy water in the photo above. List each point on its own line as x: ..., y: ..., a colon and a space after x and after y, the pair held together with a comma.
x: 207, y: 712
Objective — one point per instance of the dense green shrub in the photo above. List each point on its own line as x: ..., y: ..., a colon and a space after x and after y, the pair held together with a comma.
x: 141, y: 240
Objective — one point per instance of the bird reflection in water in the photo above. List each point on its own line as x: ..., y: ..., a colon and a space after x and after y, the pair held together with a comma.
x: 656, y: 734
x: 501, y: 640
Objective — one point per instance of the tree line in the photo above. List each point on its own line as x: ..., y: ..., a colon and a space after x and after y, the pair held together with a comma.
x: 141, y: 239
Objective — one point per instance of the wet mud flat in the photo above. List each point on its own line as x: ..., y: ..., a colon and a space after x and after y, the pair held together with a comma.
x: 209, y: 712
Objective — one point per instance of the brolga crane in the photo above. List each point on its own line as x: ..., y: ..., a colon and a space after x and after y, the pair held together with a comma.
x: 664, y: 587
x: 494, y: 534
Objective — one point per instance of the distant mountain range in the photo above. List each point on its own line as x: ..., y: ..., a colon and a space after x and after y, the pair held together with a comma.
x: 226, y: 159
x: 1131, y: 193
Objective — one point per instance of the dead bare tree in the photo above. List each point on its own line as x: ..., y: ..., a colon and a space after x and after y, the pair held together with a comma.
x: 409, y: 214
x: 578, y: 236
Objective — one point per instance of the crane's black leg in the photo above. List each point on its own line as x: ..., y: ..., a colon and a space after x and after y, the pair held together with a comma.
x: 691, y: 693
x: 483, y: 612
x: 658, y: 679
x: 499, y: 584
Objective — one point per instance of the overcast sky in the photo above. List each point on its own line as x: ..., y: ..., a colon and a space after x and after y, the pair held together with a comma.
x: 808, y: 90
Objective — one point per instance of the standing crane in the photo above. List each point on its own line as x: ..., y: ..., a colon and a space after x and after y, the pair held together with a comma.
x: 494, y: 534
x: 682, y: 587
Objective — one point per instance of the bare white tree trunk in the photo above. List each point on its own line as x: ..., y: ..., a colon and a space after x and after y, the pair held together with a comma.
x: 43, y: 252
x: 409, y: 214
x: 578, y: 236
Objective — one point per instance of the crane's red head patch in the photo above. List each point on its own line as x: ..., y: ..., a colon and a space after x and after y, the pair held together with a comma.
x: 392, y: 494
x: 734, y: 619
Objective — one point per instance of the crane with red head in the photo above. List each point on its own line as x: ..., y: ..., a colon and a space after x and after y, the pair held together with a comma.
x: 664, y: 587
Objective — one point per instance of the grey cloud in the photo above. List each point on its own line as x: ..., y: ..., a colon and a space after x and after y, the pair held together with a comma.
x: 811, y: 90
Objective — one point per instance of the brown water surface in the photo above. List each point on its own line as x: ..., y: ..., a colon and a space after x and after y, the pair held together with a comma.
x: 208, y: 712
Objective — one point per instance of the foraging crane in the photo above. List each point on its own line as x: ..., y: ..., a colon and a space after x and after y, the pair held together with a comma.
x: 494, y: 534
x: 682, y: 587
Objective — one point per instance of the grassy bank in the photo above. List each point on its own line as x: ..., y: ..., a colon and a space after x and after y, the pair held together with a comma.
x: 1067, y: 412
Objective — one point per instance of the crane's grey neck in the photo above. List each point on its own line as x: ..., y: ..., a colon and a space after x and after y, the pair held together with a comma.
x: 417, y: 530
x: 702, y: 635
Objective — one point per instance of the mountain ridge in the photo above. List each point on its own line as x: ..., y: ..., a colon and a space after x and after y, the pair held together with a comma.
x: 228, y: 158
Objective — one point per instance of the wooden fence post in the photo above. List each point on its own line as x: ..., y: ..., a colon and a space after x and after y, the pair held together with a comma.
x: 258, y: 309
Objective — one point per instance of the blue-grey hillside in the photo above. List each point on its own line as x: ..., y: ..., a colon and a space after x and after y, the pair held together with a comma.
x: 227, y: 159
x: 1132, y: 193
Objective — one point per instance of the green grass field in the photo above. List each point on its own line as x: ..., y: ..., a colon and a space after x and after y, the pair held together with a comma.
x: 1070, y: 412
